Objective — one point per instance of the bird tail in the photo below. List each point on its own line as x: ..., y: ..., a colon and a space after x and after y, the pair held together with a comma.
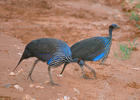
x: 26, y: 54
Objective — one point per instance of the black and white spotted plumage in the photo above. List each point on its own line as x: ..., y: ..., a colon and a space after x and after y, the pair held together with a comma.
x: 52, y: 51
x: 92, y: 49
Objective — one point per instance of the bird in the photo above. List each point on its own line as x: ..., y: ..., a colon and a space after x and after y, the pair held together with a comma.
x: 50, y: 50
x: 91, y: 49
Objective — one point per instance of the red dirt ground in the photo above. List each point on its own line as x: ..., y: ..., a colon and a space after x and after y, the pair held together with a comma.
x: 24, y: 20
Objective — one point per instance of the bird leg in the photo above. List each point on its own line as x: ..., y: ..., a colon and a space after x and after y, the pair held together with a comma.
x: 83, y: 72
x: 104, y: 58
x: 30, y: 73
x: 102, y: 61
x: 92, y: 70
x: 50, y: 76
x: 64, y: 68
x: 81, y: 63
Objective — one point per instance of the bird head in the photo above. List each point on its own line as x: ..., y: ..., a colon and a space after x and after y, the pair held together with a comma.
x: 111, y: 28
x: 114, y: 26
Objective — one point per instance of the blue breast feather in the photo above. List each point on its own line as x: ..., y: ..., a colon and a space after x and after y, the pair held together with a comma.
x: 66, y: 50
x: 49, y: 61
x: 99, y: 57
x: 56, y: 59
x: 107, y: 46
x: 63, y: 51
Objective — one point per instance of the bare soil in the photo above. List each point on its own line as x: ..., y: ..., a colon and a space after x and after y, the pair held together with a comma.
x: 70, y: 20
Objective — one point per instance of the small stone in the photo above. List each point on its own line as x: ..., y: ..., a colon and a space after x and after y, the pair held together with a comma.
x: 59, y: 75
x: 21, y: 70
x: 18, y: 47
x: 135, y: 68
x: 66, y: 98
x: 46, y: 81
x: 12, y: 74
x: 75, y: 98
x: 19, y: 53
x: 18, y: 87
x: 36, y: 86
x: 76, y: 90
x: 31, y: 85
x: 41, y: 87
x: 28, y: 97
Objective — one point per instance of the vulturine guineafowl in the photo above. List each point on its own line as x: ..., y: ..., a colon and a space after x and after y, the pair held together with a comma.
x: 54, y: 52
x: 91, y: 49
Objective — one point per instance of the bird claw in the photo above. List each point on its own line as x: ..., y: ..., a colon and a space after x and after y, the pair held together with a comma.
x: 102, y: 63
x: 86, y: 77
x: 54, y: 84
x: 29, y: 76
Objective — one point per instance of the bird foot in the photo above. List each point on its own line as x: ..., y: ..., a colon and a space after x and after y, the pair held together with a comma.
x: 104, y: 64
x: 54, y: 84
x: 29, y: 76
x: 86, y: 77
x: 101, y: 63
